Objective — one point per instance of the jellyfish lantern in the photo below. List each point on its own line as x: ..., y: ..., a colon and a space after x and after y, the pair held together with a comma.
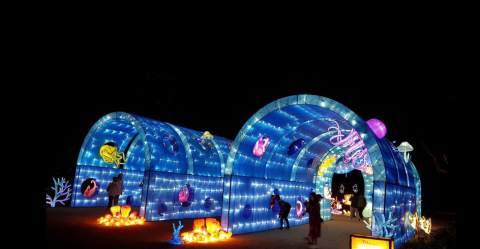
x: 405, y: 147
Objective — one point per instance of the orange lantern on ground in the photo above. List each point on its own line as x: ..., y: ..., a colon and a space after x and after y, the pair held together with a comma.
x: 115, y: 210
x: 125, y: 211
x: 198, y: 225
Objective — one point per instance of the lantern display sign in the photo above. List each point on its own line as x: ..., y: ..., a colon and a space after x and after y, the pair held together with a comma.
x: 360, y: 241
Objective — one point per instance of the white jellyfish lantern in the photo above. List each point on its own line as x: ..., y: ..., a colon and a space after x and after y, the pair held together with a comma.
x: 405, y: 147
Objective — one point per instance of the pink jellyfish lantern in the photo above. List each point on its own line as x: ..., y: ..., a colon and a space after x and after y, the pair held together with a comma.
x: 378, y: 127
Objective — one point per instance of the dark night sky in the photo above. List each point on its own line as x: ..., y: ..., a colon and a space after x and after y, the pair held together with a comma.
x: 218, y: 87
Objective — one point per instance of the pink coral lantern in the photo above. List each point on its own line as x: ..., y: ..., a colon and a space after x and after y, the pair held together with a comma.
x: 377, y: 127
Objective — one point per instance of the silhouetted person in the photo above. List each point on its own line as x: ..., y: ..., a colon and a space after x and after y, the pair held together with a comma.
x: 284, y: 211
x: 362, y: 202
x: 111, y: 189
x: 354, y: 207
x: 314, y: 219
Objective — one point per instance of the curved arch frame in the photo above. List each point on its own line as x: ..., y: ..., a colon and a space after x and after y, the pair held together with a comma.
x: 368, y: 137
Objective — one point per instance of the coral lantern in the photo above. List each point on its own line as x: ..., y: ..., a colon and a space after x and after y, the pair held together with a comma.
x: 125, y: 210
x: 115, y: 210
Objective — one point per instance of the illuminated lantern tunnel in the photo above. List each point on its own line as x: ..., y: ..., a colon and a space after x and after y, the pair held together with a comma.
x: 303, y: 131
x: 161, y: 164
x: 293, y: 145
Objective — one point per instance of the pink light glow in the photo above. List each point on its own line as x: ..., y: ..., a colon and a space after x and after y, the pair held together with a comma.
x: 261, y: 146
x: 378, y: 127
x: 183, y: 195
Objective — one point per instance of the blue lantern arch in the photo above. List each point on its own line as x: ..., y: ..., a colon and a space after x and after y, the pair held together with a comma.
x: 391, y: 184
x: 160, y: 159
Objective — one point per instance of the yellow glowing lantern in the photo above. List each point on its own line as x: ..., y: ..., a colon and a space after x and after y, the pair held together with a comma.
x: 347, y: 199
x: 110, y: 154
x: 369, y: 170
x: 198, y: 224
x: 115, y: 210
x: 121, y: 217
x: 425, y: 224
x: 207, y: 135
x: 414, y: 220
x: 212, y: 225
x: 325, y: 164
x: 222, y: 234
x: 125, y: 211
x: 205, y: 231
x: 133, y: 214
x: 359, y: 241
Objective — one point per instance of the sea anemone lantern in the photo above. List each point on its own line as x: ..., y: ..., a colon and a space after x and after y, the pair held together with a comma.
x: 121, y: 216
x: 208, y: 230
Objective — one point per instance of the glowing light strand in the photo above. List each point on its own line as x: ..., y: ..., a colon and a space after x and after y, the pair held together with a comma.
x: 354, y: 141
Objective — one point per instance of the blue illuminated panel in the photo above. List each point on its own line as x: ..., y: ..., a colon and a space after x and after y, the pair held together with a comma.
x: 103, y: 175
x: 256, y: 193
x: 164, y: 189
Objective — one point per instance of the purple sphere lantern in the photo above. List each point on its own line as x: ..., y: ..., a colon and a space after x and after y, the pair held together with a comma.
x: 378, y: 127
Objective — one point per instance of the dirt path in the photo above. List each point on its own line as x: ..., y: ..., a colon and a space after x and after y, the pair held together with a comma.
x: 68, y: 227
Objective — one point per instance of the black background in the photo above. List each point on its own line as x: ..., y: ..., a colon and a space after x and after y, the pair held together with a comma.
x: 215, y: 83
